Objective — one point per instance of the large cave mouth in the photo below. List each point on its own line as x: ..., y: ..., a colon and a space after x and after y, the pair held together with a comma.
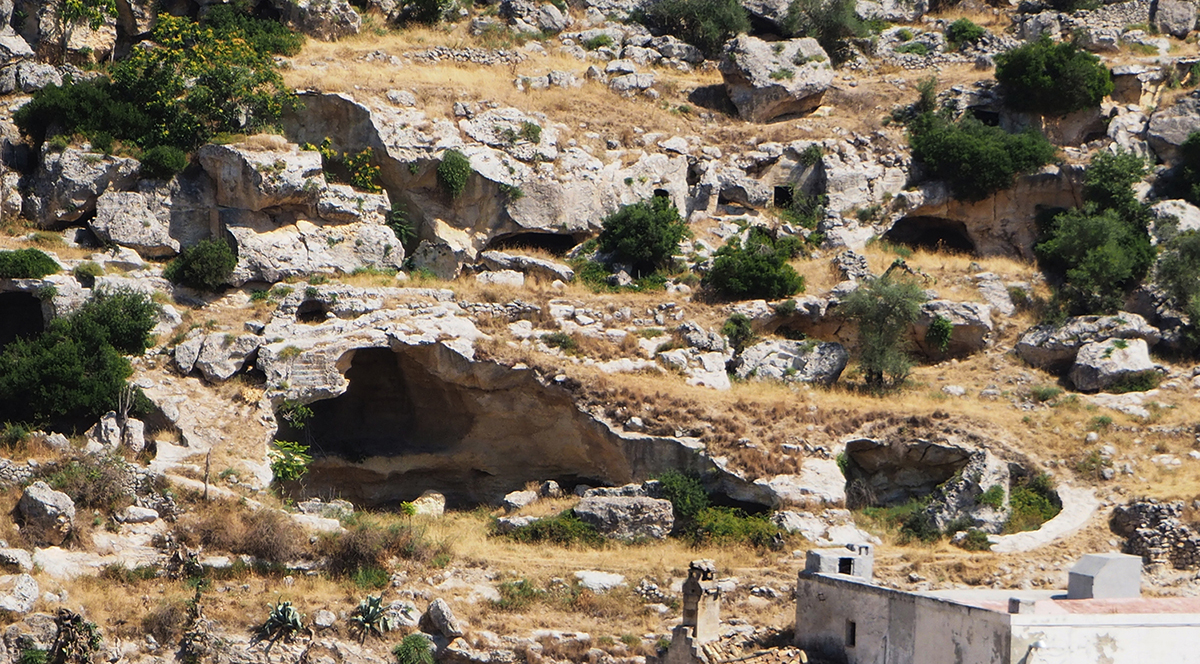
x: 20, y: 317
x: 417, y: 419
x: 557, y: 244
x: 884, y: 473
x: 932, y: 233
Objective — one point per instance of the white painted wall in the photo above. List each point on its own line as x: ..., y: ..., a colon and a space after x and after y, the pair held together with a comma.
x: 1106, y: 639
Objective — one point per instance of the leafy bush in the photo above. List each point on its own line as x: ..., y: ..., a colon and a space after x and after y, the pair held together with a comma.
x: 727, y: 525
x: 369, y: 542
x: 976, y: 159
x: 289, y: 460
x: 1033, y: 502
x: 267, y: 534
x: 86, y: 272
x: 1108, y: 182
x: 705, y: 24
x: 1044, y: 393
x: 202, y: 78
x: 883, y: 309
x: 517, y: 595
x: 976, y: 540
x: 428, y: 12
x: 831, y: 22
x: 939, y: 333
x: 1052, y: 78
x: 26, y: 264
x: 1098, y: 254
x: 353, y: 169
x: 645, y: 234
x: 758, y: 270
x: 913, y: 48
x: 993, y: 497
x: 805, y: 210
x: 74, y: 371
x: 1178, y: 272
x: 739, y: 331
x: 163, y: 161
x: 563, y: 529
x: 93, y: 482
x: 413, y: 649
x: 919, y: 525
x: 599, y: 41
x: 561, y: 340
x: 964, y: 31
x: 686, y: 493
x: 207, y: 265
x: 453, y: 171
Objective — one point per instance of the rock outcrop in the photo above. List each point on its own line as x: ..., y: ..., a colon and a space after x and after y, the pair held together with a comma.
x: 765, y: 83
x: 1054, y: 347
x: 48, y: 515
x: 1103, y: 364
x: 793, y: 361
x: 1155, y: 531
x: 627, y: 518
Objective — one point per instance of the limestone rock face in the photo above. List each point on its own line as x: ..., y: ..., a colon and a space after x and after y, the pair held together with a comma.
x: 764, y: 85
x: 1186, y: 216
x: 430, y: 503
x: 128, y: 219
x: 798, y: 361
x: 18, y: 593
x: 1050, y: 347
x: 251, y: 179
x: 1175, y: 17
x: 525, y: 137
x: 68, y: 183
x: 28, y: 76
x: 48, y: 515
x: 221, y: 357
x: 1169, y: 127
x: 959, y: 497
x: 895, y: 472
x: 542, y: 268
x: 971, y: 321
x: 328, y: 20
x: 1099, y: 365
x: 439, y: 617
x: 628, y: 517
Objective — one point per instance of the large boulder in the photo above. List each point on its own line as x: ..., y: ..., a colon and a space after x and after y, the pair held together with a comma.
x: 1169, y: 127
x: 68, y: 183
x: 223, y: 355
x: 540, y: 267
x: 18, y: 593
x: 1175, y: 17
x: 764, y: 83
x: 963, y: 495
x: 440, y: 619
x: 324, y: 19
x: 971, y: 327
x: 793, y: 361
x: 48, y: 515
x: 253, y: 178
x: 1102, y: 364
x: 1054, y: 347
x: 628, y: 518
x: 128, y: 219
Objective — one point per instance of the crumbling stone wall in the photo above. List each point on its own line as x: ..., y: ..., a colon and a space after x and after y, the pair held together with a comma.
x: 1155, y: 531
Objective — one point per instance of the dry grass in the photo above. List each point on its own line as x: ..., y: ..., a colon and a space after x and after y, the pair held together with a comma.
x: 266, y: 534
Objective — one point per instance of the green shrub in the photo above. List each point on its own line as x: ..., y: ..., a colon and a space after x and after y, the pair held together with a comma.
x: 1184, y: 180
x: 919, y: 525
x: 1109, y: 181
x: 645, y: 234
x: 517, y: 595
x: 727, y: 525
x: 33, y: 656
x: 913, y: 48
x: 289, y: 460
x: 74, y: 371
x: 964, y: 31
x: 975, y: 159
x: 93, y: 482
x: 233, y: 21
x: 739, y: 331
x: 831, y: 22
x: 428, y: 12
x: 760, y: 269
x: 26, y: 264
x: 976, y: 540
x: 1098, y: 254
x: 1030, y: 509
x: 102, y: 141
x: 686, y: 493
x: 939, y: 333
x: 805, y: 210
x: 413, y: 649
x: 599, y: 41
x: 207, y: 265
x: 1139, y: 382
x: 1052, y: 78
x: 561, y: 340
x: 904, y: 34
x: 1044, y: 393
x: 705, y: 24
x: 993, y: 497
x: 86, y: 272
x: 883, y: 309
x: 452, y: 173
x: 1178, y: 273
x: 563, y: 529
x: 201, y: 79
x: 370, y: 542
x: 163, y: 161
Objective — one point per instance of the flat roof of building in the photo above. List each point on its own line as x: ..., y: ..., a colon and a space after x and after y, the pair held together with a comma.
x: 1048, y: 602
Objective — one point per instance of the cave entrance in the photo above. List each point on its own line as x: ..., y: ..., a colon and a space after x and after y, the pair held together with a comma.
x: 20, y: 317
x: 553, y: 243
x: 783, y: 197
x: 312, y: 312
x: 933, y: 233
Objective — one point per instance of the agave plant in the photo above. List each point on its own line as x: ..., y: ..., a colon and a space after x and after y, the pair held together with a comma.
x: 370, y: 618
x: 283, y: 621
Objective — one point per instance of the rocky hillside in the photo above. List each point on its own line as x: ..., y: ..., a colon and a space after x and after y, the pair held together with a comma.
x: 394, y: 330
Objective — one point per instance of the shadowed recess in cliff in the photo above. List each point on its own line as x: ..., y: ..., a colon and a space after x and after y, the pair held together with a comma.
x: 20, y: 316
x: 932, y: 233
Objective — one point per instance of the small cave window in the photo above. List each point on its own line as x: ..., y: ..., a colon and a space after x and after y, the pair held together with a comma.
x: 845, y: 566
x: 312, y: 311
x: 932, y: 233
x: 851, y: 634
x: 20, y: 317
x: 989, y: 118
x: 663, y: 193
x: 783, y: 197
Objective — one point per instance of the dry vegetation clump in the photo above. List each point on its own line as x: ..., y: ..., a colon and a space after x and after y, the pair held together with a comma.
x: 266, y: 534
x: 371, y: 541
x: 92, y: 481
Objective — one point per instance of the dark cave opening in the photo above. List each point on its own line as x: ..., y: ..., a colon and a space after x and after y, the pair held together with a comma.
x: 932, y: 233
x: 553, y: 243
x: 20, y: 317
x: 783, y: 197
x: 312, y: 312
